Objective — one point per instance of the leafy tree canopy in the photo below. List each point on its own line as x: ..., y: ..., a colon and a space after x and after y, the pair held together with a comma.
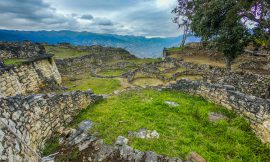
x: 228, y: 24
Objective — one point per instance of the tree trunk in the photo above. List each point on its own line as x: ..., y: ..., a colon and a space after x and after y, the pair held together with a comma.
x: 267, y: 92
x: 228, y: 64
x: 183, y: 40
x: 186, y: 27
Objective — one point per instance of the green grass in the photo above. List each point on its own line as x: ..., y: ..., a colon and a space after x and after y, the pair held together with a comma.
x: 143, y: 81
x: 175, y: 49
x: 61, y: 52
x: 71, y: 156
x: 112, y: 72
x: 191, y: 77
x: 170, y: 74
x: 13, y: 61
x: 98, y: 85
x: 145, y: 60
x: 182, y: 129
x: 51, y: 146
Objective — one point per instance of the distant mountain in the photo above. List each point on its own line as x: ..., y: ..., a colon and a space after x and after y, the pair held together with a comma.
x: 139, y: 46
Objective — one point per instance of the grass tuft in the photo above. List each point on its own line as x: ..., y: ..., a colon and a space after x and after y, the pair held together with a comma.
x: 13, y: 61
x: 51, y: 146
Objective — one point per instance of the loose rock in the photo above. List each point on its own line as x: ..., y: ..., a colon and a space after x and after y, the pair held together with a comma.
x: 171, y: 103
x: 144, y: 133
x: 213, y: 117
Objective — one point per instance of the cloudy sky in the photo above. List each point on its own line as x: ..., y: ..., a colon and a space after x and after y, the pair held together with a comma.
x: 149, y: 18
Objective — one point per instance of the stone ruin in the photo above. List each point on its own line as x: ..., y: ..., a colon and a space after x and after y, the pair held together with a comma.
x: 28, y: 120
x: 24, y: 49
x: 30, y: 76
x: 97, y: 57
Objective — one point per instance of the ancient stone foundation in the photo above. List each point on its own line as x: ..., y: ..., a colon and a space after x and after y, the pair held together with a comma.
x: 248, y: 83
x: 254, y: 109
x: 20, y: 50
x: 29, y: 77
x: 90, y: 61
x: 26, y: 122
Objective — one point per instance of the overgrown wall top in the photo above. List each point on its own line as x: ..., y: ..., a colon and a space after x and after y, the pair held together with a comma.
x: 28, y: 77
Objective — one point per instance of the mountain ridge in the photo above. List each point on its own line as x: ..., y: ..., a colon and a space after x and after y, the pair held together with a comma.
x: 138, y: 45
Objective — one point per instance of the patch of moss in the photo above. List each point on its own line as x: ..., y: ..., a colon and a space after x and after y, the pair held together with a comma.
x: 71, y: 156
x: 117, y: 72
x: 143, y: 81
x: 64, y: 52
x: 51, y: 146
x: 145, y: 60
x: 175, y: 49
x: 13, y: 61
x: 191, y: 77
x: 170, y: 74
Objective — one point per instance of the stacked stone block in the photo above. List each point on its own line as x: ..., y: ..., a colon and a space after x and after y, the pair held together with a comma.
x: 10, y: 50
x: 28, y: 77
x: 27, y: 122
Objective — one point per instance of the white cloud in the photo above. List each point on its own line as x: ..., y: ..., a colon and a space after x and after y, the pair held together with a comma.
x: 166, y: 4
x: 129, y: 17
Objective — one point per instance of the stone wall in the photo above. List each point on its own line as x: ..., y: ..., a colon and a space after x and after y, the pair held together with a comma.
x: 20, y: 50
x: 28, y: 77
x: 91, y: 61
x: 254, y: 109
x: 253, y: 78
x: 248, y: 83
x: 259, y: 65
x: 168, y: 65
x: 26, y: 122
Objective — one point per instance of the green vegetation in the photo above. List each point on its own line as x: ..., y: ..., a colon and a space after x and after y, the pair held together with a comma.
x: 112, y: 72
x: 223, y: 28
x: 145, y: 60
x: 13, y: 61
x: 64, y: 52
x: 182, y: 129
x: 98, y: 85
x: 143, y: 81
x: 73, y: 155
x: 51, y: 146
x: 225, y: 24
x: 191, y: 77
x: 175, y: 49
x: 170, y: 74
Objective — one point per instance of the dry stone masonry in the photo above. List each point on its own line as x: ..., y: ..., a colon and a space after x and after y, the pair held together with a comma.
x: 96, y: 57
x: 94, y: 149
x: 28, y: 77
x: 252, y: 84
x: 27, y: 122
x: 20, y: 50
x: 254, y: 109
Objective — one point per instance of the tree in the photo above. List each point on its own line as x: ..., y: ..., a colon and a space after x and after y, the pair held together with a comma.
x: 231, y: 42
x: 256, y: 13
x: 183, y: 12
x: 218, y: 21
x: 228, y: 24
